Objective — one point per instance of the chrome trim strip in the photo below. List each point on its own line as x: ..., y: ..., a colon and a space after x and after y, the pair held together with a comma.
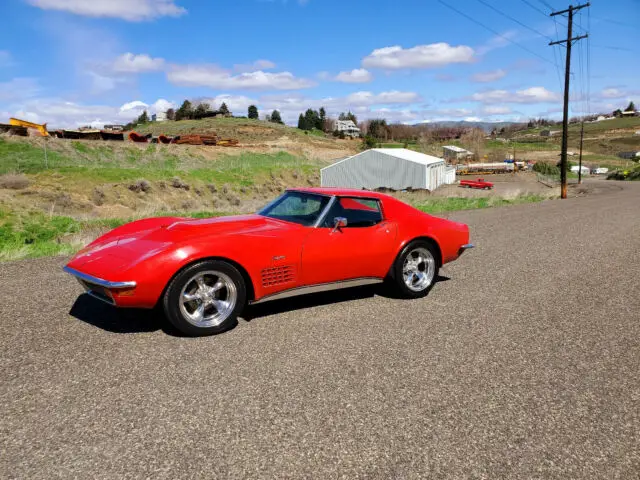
x: 325, y: 212
x: 98, y: 281
x: 101, y: 298
x: 467, y: 246
x: 321, y: 287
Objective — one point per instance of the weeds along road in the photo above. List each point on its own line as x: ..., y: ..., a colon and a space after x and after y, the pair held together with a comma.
x: 525, y: 363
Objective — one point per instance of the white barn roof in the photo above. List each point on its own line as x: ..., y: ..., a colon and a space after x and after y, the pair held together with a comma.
x: 456, y: 149
x: 409, y: 155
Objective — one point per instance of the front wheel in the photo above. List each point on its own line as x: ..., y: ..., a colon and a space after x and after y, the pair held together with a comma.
x: 416, y: 269
x: 205, y: 298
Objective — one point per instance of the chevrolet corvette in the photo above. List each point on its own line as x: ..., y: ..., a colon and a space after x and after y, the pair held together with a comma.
x: 203, y: 272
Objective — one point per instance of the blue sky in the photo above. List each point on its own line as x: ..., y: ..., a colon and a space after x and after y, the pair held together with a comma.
x: 75, y: 62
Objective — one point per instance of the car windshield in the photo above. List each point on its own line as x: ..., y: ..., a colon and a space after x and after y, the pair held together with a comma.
x: 296, y: 207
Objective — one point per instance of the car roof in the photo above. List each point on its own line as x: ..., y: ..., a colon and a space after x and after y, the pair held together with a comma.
x: 343, y: 192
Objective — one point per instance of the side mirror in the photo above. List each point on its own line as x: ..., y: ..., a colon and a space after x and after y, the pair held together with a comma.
x: 338, y: 223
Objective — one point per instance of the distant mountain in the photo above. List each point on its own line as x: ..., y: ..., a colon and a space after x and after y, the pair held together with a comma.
x: 486, y: 126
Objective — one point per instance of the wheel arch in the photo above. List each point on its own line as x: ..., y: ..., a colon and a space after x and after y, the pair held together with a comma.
x: 243, y: 271
x: 425, y: 238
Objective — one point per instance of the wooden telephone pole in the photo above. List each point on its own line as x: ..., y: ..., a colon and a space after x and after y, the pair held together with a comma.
x: 565, y: 119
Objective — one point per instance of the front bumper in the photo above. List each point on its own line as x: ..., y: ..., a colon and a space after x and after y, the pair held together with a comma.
x: 99, y: 288
x: 465, y: 247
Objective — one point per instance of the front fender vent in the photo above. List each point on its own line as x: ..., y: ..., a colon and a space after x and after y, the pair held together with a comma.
x: 278, y: 275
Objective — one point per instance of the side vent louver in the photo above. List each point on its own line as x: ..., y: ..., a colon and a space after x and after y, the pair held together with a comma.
x: 277, y: 275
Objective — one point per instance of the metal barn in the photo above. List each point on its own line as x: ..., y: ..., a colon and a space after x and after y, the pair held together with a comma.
x: 393, y: 168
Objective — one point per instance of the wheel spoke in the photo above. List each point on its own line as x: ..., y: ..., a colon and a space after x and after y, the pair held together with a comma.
x: 188, y: 297
x: 201, y: 284
x: 198, y: 313
x: 220, y: 305
x: 218, y: 286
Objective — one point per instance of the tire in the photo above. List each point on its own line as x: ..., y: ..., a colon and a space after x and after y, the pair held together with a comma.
x: 205, y: 298
x: 428, y: 268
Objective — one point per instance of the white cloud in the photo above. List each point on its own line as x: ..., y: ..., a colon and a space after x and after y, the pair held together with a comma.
x: 162, y: 105
x: 359, y: 75
x: 130, y: 10
x: 496, y: 110
x: 528, y: 95
x: 213, y: 76
x: 384, y: 98
x: 18, y: 88
x: 472, y: 119
x: 59, y: 113
x: 499, y: 41
x: 491, y: 76
x: 257, y: 65
x: 130, y: 63
x: 421, y: 56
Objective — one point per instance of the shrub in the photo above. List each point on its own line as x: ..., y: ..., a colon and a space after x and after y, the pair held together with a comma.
x: 546, y: 169
x: 140, y: 186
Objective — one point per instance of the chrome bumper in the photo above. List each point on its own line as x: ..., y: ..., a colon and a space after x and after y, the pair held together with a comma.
x: 465, y: 247
x: 98, y: 287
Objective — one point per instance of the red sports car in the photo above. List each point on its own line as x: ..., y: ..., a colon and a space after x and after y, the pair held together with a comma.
x: 204, y: 272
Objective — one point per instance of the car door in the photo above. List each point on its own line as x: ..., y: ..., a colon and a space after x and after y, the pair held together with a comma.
x: 363, y: 248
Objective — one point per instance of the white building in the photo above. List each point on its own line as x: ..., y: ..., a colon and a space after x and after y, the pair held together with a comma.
x: 159, y: 117
x: 393, y: 168
x: 347, y: 127
x: 453, y: 154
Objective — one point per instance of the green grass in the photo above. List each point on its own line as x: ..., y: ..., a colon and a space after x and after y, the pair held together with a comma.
x: 439, y: 205
x: 39, y: 235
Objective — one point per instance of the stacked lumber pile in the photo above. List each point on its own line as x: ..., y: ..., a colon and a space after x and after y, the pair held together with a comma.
x: 228, y: 142
x: 196, y: 139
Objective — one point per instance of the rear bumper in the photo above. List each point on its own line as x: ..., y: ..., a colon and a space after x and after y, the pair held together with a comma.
x: 98, y: 287
x: 465, y: 247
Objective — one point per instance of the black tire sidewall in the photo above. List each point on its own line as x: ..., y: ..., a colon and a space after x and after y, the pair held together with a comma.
x: 172, y: 297
x: 398, y: 264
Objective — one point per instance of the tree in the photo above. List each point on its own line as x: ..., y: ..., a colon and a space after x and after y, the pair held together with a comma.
x: 253, y: 112
x: 201, y: 110
x: 170, y: 114
x: 185, y: 111
x: 379, y: 129
x: 301, y: 122
x: 630, y: 108
x: 368, y: 142
x: 617, y: 113
x: 323, y: 119
x: 311, y: 119
x: 275, y: 117
x: 143, y: 118
x: 473, y: 140
x: 224, y: 109
x: 348, y: 116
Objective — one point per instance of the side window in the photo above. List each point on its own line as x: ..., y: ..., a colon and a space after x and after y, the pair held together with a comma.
x: 359, y: 212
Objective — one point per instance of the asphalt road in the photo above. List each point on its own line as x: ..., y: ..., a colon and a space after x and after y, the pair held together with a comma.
x: 523, y: 362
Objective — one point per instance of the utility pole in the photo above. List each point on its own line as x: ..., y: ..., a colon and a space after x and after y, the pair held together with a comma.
x: 565, y: 119
x: 580, y: 161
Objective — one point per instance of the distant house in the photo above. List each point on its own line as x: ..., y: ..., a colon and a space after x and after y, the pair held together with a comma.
x: 159, y: 117
x: 630, y: 113
x: 550, y: 133
x: 453, y: 154
x: 347, y: 127
x: 114, y: 128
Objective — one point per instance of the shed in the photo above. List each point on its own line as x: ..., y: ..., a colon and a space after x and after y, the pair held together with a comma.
x: 453, y: 153
x: 393, y: 168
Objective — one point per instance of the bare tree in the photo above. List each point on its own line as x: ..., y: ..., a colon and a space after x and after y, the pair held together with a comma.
x: 473, y: 140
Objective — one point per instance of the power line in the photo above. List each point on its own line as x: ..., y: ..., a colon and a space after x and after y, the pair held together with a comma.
x: 494, y: 31
x: 514, y: 19
x: 534, y: 7
x: 546, y: 4
x: 622, y: 49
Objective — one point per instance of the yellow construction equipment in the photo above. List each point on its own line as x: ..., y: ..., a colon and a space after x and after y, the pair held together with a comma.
x: 23, y: 123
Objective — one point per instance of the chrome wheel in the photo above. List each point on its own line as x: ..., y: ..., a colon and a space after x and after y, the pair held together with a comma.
x: 418, y: 269
x: 208, y: 298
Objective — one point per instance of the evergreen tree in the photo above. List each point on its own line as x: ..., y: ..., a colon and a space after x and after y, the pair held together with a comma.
x: 301, y: 122
x: 275, y: 117
x: 323, y: 118
x: 143, y: 118
x: 224, y: 109
x: 170, y: 114
x: 253, y: 112
x: 201, y: 110
x: 630, y: 108
x: 185, y: 111
x: 311, y: 118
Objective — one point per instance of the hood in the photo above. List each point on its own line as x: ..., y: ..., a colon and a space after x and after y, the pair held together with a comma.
x: 142, y: 239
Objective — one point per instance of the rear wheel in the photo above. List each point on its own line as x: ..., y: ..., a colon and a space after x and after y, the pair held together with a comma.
x: 416, y: 268
x: 205, y: 298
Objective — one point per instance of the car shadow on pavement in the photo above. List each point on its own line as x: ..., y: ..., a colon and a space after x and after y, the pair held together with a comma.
x: 116, y: 320
x: 319, y: 299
